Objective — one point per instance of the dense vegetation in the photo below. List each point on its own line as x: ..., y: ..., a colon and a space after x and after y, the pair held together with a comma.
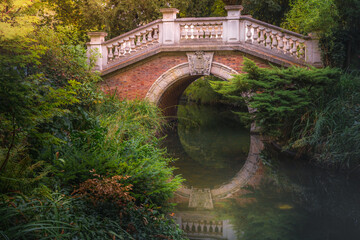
x: 74, y: 163
x: 311, y: 110
x: 77, y: 164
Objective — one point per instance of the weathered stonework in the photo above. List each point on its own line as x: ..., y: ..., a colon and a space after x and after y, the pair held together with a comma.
x: 200, y: 62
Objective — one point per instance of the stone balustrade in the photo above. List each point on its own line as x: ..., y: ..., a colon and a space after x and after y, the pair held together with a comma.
x: 233, y: 32
x: 201, y: 31
x: 130, y: 43
x: 202, y: 227
x: 275, y: 39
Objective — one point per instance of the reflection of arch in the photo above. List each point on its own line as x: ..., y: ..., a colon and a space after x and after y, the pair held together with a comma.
x: 241, y: 178
x: 165, y: 93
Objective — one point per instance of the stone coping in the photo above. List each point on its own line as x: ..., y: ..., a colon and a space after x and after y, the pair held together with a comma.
x: 279, y: 59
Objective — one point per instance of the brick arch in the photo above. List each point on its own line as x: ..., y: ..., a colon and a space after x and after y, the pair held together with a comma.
x: 166, y: 91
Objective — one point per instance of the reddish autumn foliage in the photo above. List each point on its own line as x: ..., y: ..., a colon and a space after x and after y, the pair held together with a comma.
x: 105, y: 189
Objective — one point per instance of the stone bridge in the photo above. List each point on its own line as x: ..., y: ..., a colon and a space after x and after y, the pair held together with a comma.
x: 159, y: 60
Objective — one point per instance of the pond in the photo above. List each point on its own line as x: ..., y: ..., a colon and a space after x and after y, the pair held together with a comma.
x: 282, y: 198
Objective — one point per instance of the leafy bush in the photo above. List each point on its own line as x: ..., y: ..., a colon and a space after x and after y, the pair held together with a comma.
x: 62, y: 217
x: 55, y: 126
x: 123, y: 141
x: 280, y: 96
x: 312, y: 110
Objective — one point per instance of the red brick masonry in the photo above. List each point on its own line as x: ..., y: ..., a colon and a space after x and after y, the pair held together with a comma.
x: 134, y: 81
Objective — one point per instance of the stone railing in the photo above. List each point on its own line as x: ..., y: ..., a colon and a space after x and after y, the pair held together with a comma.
x: 201, y: 30
x: 129, y: 43
x: 221, y: 33
x: 203, y: 228
x: 203, y: 225
x: 276, y: 39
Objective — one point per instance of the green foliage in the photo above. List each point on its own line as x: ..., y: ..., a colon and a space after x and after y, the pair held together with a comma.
x: 305, y: 109
x: 200, y: 91
x: 113, y: 16
x: 18, y: 17
x: 56, y: 126
x: 280, y: 96
x: 270, y: 11
x: 310, y: 16
x: 122, y: 140
x: 204, y: 8
x: 337, y: 25
x: 59, y: 216
x: 334, y: 132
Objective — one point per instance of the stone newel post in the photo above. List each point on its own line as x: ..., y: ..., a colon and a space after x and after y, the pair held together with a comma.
x: 169, y: 30
x: 313, y: 53
x: 233, y: 28
x: 94, y: 47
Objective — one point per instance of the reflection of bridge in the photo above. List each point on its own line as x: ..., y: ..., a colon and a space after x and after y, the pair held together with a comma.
x: 159, y: 60
x: 203, y: 198
x: 202, y: 225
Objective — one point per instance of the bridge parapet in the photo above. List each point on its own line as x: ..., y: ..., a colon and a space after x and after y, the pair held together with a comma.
x: 234, y: 32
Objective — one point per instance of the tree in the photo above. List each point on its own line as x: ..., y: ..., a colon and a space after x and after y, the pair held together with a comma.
x: 335, y: 22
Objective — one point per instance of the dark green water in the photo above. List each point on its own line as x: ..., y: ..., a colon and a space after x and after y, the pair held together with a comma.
x: 290, y: 200
x: 210, y: 145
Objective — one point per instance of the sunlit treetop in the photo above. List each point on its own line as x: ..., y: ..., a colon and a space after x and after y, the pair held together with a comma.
x: 19, y: 17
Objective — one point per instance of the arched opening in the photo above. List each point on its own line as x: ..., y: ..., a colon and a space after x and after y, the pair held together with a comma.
x: 166, y: 92
x: 167, y: 89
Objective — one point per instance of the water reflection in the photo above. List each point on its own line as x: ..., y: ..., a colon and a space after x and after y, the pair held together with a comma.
x: 210, y: 144
x: 283, y: 199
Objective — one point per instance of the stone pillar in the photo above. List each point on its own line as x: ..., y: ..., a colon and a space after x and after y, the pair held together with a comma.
x: 232, y: 32
x: 169, y: 32
x: 94, y: 47
x: 312, y: 51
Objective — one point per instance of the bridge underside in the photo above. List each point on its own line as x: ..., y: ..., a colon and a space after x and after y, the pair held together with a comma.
x: 170, y: 98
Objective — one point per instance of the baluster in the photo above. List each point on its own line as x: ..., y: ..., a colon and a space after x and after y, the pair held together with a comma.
x: 196, y: 32
x: 183, y: 227
x: 150, y: 38
x: 274, y: 40
x: 110, y: 54
x: 127, y: 46
x: 189, y: 33
x: 255, y: 34
x: 268, y: 39
x: 122, y: 50
x: 207, y: 31
x: 302, y: 49
x: 213, y: 31
x: 132, y: 44
x: 201, y: 30
x: 156, y: 34
x: 143, y: 42
x: 248, y: 34
x: 116, y: 52
x: 182, y: 31
x: 294, y: 47
x: 213, y: 227
x: 202, y: 226
x: 281, y: 42
x: 261, y: 39
x: 138, y: 40
x: 287, y: 45
x: 220, y: 227
x: 219, y: 32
